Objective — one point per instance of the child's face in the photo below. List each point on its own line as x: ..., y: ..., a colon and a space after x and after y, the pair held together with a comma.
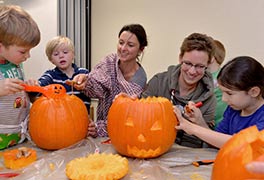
x: 238, y: 100
x: 62, y: 57
x: 14, y: 54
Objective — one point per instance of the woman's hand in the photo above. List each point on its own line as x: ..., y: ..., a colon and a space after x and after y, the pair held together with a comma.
x: 134, y: 97
x: 194, y: 114
x: 80, y: 81
x: 92, y: 129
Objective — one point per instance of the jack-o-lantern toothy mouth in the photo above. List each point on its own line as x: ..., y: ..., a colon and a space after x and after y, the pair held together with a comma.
x: 142, y: 153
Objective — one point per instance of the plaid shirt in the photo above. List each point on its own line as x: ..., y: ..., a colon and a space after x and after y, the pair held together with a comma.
x: 105, y: 81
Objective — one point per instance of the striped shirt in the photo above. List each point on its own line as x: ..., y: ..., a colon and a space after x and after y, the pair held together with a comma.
x: 14, y: 108
x: 105, y: 81
x: 56, y: 76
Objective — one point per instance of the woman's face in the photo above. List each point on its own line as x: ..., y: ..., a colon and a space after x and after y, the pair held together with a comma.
x: 128, y: 47
x: 194, y: 64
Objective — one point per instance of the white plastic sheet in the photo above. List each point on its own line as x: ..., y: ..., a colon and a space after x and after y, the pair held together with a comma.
x: 176, y: 164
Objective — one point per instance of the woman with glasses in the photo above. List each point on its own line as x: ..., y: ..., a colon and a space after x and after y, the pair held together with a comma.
x: 242, y: 82
x: 189, y: 83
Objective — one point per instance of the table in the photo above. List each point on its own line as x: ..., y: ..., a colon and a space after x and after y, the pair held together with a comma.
x: 176, y: 164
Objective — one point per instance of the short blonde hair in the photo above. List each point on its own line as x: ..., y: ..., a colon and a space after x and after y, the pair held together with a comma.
x: 57, y: 42
x: 219, y: 52
x: 17, y: 27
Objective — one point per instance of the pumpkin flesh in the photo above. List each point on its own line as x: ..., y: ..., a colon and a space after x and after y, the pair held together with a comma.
x: 19, y: 158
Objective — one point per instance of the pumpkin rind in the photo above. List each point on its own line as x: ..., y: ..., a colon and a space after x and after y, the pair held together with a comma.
x: 242, y: 148
x: 13, y: 161
x: 142, y: 128
x: 58, y: 121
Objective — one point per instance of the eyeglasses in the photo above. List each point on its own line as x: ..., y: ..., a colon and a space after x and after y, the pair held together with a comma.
x: 197, y: 67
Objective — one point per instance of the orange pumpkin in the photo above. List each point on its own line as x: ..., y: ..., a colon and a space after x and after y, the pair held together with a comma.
x: 242, y: 148
x: 19, y: 158
x: 141, y: 128
x: 57, y: 120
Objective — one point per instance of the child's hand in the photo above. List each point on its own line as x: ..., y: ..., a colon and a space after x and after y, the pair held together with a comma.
x: 183, y: 123
x: 80, y: 81
x: 32, y: 82
x: 255, y: 167
x: 92, y: 130
x: 10, y: 86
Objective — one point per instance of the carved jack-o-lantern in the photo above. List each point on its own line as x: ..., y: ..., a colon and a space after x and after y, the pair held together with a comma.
x: 142, y: 128
x: 244, y: 147
x: 57, y: 119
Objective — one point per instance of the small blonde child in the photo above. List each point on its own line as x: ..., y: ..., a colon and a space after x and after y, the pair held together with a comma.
x: 18, y: 34
x: 60, y: 52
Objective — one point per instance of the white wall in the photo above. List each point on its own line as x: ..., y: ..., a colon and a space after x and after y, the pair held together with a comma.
x: 44, y: 12
x: 238, y: 24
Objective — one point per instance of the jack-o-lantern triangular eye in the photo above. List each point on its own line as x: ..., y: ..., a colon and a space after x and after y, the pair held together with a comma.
x: 156, y: 126
x: 129, y: 122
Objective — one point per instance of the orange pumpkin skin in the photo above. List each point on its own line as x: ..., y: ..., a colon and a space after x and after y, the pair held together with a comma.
x: 58, y: 121
x: 12, y: 161
x: 242, y: 148
x: 141, y: 128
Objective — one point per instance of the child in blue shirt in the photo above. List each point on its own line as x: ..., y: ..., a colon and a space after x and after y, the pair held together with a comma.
x: 60, y: 52
x: 242, y: 83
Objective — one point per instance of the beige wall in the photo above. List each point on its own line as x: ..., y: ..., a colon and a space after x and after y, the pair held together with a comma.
x: 44, y: 12
x: 238, y: 24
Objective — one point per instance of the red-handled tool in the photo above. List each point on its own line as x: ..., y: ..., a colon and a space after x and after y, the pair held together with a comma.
x: 203, y: 162
x: 107, y: 141
x: 8, y: 175
x: 198, y: 104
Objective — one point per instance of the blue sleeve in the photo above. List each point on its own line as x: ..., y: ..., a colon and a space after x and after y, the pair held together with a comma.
x: 46, y: 79
x: 223, y: 126
x: 83, y: 71
x: 259, y: 117
x: 233, y: 122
